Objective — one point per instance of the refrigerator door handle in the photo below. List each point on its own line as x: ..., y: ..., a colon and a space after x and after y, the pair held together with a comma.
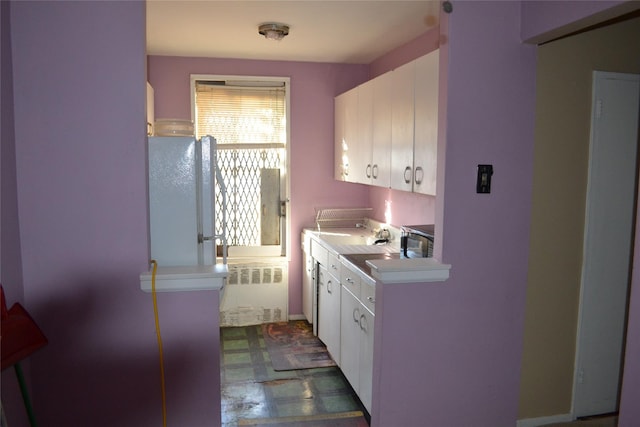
x: 202, y: 238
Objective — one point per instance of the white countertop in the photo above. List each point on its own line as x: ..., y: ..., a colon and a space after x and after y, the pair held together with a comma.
x: 353, y: 241
x: 409, y: 270
x: 349, y: 241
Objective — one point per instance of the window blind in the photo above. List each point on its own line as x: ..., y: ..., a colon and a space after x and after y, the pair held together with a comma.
x: 240, y: 115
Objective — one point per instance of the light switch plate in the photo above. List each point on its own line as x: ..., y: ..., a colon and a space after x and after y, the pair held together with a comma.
x: 483, y: 183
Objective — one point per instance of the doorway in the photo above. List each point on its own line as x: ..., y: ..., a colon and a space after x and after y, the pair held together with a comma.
x: 608, y: 245
x: 249, y: 116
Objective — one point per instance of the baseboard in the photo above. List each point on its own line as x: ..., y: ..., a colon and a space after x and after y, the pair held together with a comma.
x: 540, y: 421
x: 297, y: 317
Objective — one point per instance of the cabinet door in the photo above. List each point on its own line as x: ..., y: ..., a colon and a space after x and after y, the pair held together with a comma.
x: 319, y: 253
x: 360, y: 149
x: 308, y: 294
x: 346, y: 133
x: 426, y: 124
x: 329, y: 312
x: 402, y: 120
x: 350, y: 338
x: 381, y: 146
x: 366, y: 357
x: 340, y: 104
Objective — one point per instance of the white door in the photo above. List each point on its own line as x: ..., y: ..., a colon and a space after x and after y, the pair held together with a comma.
x: 607, y: 242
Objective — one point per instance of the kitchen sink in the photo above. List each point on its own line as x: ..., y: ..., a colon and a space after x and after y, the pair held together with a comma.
x: 360, y: 260
x: 354, y: 240
x: 348, y: 236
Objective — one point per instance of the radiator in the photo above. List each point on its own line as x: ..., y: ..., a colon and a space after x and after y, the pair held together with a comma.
x: 256, y: 292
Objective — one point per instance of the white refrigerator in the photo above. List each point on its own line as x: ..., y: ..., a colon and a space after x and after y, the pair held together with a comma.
x: 180, y: 201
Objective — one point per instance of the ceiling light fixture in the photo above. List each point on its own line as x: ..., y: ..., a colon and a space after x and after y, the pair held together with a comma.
x: 273, y: 31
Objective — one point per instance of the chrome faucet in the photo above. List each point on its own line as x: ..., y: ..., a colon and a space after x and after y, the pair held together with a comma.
x: 383, y: 233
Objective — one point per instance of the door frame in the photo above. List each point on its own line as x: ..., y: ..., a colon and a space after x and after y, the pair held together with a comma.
x: 598, y: 77
x: 268, y: 251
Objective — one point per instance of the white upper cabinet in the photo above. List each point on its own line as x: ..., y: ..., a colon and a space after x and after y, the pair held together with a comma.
x: 381, y: 148
x: 402, y: 112
x: 346, y: 131
x: 426, y: 124
x: 151, y: 115
x: 387, y: 129
x: 362, y: 148
x: 339, y: 106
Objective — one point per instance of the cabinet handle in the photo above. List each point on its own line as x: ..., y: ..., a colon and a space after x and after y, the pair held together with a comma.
x: 421, y: 171
x: 371, y: 299
x: 333, y: 267
x: 356, y: 315
x: 375, y: 171
x: 329, y: 287
x: 363, y: 317
x: 350, y: 280
x: 407, y: 178
x: 368, y: 171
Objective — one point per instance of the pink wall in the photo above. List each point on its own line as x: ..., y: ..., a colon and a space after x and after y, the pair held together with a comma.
x: 313, y: 87
x: 460, y: 362
x: 421, y: 45
x: 83, y: 224
x: 10, y: 249
x: 79, y: 76
x: 11, y: 259
x: 544, y: 21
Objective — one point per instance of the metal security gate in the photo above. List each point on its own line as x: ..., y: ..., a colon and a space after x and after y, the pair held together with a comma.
x: 252, y: 175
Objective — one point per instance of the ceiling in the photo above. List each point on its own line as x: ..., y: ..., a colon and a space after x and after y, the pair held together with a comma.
x: 336, y: 31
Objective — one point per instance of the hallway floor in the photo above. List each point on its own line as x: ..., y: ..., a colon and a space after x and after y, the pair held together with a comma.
x: 251, y: 389
x: 596, y: 421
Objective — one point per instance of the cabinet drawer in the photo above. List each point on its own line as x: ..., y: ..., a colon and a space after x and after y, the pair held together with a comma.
x: 319, y: 252
x: 350, y: 280
x: 333, y: 265
x: 368, y: 295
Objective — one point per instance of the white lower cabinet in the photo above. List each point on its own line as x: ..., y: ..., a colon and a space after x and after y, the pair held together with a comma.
x: 350, y: 337
x: 356, y: 342
x: 346, y: 307
x: 329, y: 311
x: 309, y: 302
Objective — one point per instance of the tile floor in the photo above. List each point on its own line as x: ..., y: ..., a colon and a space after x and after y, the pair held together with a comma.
x: 252, y: 389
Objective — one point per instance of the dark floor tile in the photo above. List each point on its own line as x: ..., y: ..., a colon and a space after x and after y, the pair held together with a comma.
x: 252, y: 389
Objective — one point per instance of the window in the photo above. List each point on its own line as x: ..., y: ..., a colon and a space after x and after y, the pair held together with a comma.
x: 248, y: 118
